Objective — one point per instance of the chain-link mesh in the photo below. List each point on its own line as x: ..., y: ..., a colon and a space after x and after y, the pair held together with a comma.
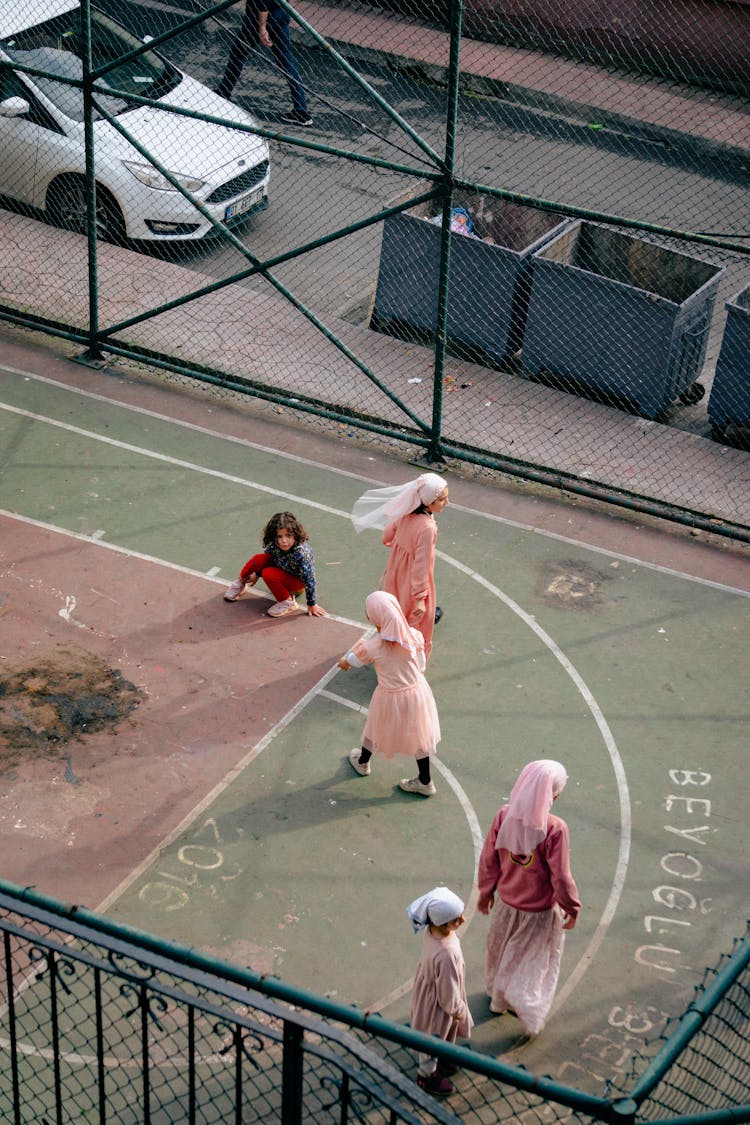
x: 576, y: 236
x: 101, y: 1029
x: 99, y: 1023
x: 712, y: 1070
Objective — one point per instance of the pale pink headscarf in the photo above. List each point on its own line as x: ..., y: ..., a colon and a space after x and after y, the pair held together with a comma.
x: 385, y: 612
x: 525, y: 822
x: 380, y: 506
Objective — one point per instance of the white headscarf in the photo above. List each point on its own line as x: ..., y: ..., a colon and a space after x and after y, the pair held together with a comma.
x: 438, y: 906
x: 380, y: 506
x: 525, y: 822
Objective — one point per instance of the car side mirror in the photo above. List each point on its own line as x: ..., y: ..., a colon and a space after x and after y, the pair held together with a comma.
x: 148, y: 38
x: 14, y: 107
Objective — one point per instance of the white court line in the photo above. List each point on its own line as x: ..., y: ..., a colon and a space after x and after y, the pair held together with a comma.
x: 209, y: 576
x: 557, y: 536
x: 618, y: 769
x: 217, y: 790
x: 623, y: 852
x: 618, y: 881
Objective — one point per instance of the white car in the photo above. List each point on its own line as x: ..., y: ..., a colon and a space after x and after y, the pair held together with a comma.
x: 42, y: 132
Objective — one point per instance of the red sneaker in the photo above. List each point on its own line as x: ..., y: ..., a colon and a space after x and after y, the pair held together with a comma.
x: 434, y: 1084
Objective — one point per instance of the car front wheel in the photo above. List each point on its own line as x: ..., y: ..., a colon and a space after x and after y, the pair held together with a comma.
x: 66, y: 208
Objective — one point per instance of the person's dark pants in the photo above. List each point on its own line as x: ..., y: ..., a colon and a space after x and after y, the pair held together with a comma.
x: 281, y: 47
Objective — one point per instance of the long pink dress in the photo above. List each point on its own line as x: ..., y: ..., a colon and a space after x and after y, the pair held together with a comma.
x: 439, y: 993
x: 402, y: 718
x: 525, y: 940
x: 409, y: 574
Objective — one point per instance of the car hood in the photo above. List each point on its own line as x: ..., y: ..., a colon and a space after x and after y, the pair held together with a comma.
x: 186, y: 145
x: 17, y: 17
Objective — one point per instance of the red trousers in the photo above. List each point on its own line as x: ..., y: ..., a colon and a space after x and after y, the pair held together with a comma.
x: 281, y: 583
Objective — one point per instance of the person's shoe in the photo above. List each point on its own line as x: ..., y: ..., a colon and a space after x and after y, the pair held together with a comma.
x: 434, y: 1084
x: 296, y: 117
x: 414, y: 785
x: 235, y: 591
x: 362, y: 768
x: 438, y: 613
x: 281, y: 609
x: 446, y: 1069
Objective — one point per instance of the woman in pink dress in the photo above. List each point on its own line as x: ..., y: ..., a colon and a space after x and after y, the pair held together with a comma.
x: 406, y: 514
x: 402, y: 717
x: 438, y: 1002
x: 525, y: 861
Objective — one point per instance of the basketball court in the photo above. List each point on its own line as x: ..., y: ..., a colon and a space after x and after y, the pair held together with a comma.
x: 203, y: 792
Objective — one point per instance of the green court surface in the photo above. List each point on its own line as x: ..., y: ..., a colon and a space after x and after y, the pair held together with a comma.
x: 601, y: 645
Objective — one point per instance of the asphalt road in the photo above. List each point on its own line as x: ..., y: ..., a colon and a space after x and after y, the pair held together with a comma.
x: 565, y: 159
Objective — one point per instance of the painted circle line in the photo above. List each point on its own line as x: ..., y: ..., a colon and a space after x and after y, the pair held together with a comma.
x: 587, y: 696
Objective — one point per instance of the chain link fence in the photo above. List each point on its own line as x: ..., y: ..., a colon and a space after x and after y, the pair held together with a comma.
x: 103, y: 1022
x: 477, y: 238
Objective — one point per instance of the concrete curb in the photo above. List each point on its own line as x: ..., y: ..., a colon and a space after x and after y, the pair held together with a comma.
x: 682, y: 119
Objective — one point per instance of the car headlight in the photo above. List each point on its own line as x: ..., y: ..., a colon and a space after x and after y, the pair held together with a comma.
x: 149, y: 176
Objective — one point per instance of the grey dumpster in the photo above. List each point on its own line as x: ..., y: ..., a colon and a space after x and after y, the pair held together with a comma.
x: 729, y: 404
x: 618, y: 317
x: 489, y: 274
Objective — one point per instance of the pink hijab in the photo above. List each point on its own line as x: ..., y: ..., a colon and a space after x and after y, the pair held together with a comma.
x: 385, y: 612
x: 524, y: 825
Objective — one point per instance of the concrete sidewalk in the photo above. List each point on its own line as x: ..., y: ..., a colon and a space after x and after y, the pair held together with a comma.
x: 483, y: 408
x: 713, y: 124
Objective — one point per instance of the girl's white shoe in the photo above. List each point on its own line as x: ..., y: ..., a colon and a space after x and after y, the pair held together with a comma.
x: 234, y: 591
x: 281, y: 609
x: 362, y: 769
x: 414, y: 785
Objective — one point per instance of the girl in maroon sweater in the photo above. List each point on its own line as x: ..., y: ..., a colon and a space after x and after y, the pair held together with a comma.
x: 525, y: 862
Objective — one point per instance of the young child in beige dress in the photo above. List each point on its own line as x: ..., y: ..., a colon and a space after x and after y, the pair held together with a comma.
x: 438, y: 1004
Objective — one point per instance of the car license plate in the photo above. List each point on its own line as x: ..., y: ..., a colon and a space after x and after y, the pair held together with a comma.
x: 243, y: 204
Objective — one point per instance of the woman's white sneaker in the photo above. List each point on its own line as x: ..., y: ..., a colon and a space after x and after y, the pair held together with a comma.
x: 414, y: 785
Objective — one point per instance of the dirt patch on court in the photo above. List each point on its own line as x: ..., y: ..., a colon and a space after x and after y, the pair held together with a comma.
x: 66, y: 695
x: 571, y: 584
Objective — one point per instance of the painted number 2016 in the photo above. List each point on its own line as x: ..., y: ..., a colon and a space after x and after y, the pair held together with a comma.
x: 171, y: 891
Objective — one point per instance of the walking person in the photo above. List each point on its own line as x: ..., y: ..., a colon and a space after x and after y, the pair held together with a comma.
x: 266, y: 23
x: 525, y: 881
x: 402, y: 717
x: 438, y: 1001
x: 286, y: 565
x: 406, y: 514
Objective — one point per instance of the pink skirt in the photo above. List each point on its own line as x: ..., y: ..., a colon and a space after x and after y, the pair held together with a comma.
x: 402, y: 722
x: 522, y: 962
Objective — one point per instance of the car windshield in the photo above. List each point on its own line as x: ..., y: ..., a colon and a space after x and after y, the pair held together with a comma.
x: 56, y: 46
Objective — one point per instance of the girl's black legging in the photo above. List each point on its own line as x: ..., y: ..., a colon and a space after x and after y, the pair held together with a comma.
x: 423, y: 765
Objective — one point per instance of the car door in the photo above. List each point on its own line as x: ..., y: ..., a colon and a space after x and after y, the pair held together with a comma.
x: 21, y: 137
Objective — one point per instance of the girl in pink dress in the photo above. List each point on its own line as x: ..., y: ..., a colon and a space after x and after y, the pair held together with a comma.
x: 526, y: 862
x: 438, y: 1003
x: 402, y: 717
x: 406, y: 514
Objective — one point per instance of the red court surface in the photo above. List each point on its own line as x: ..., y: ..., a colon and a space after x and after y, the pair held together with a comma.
x: 217, y: 679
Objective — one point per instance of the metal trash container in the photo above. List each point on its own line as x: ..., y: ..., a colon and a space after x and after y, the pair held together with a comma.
x: 619, y: 318
x: 729, y: 402
x: 489, y: 286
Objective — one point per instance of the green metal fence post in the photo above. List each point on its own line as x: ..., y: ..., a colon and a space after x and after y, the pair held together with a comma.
x: 93, y: 354
x: 435, y: 452
x: 624, y: 1111
x: 291, y: 1080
